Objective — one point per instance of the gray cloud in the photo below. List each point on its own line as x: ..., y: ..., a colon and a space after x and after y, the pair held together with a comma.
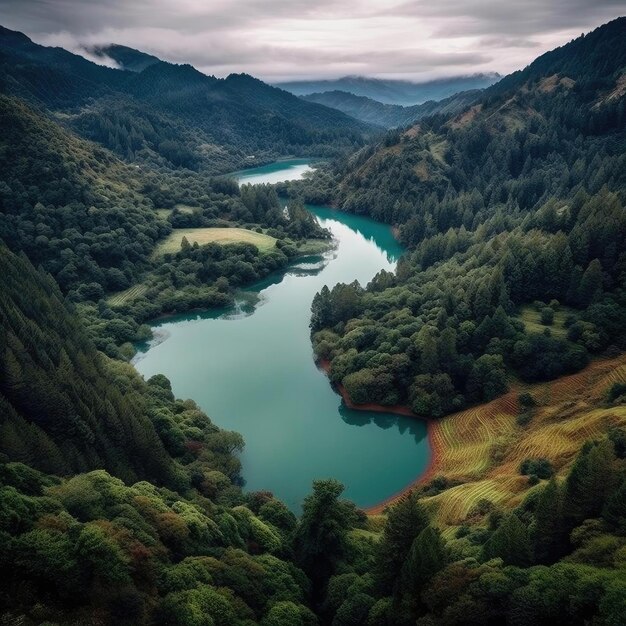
x: 526, y: 17
x: 286, y: 39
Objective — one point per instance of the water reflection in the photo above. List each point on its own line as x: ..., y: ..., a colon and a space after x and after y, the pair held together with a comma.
x: 278, y: 172
x: 405, y: 425
x: 367, y: 228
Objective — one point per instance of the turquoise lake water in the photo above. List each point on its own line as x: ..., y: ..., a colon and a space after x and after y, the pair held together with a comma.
x: 253, y: 371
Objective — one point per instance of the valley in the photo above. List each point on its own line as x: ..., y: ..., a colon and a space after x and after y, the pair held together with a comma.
x: 250, y: 366
x: 302, y: 350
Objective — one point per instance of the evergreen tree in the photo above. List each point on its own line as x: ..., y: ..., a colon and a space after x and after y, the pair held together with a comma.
x: 590, y: 288
x: 614, y: 512
x: 426, y: 557
x: 592, y: 476
x: 510, y: 542
x: 405, y: 522
x: 320, y: 538
x: 547, y: 530
x: 321, y: 310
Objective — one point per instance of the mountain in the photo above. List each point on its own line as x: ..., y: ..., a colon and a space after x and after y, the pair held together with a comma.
x: 74, y: 190
x: 575, y: 90
x: 62, y: 412
x: 216, y: 123
x: 514, y: 211
x: 391, y: 115
x: 400, y: 92
x: 125, y: 57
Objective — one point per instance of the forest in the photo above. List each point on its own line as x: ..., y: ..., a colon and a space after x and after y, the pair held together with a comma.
x: 122, y: 504
x: 173, y: 115
x: 517, y: 204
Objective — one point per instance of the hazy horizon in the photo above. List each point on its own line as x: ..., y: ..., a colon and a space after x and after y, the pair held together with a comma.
x: 289, y: 40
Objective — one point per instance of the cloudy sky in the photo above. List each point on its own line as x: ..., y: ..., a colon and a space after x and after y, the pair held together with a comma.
x: 290, y: 39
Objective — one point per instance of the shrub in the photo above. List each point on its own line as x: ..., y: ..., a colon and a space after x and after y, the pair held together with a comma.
x: 541, y: 468
x: 547, y: 316
x: 526, y: 400
x: 616, y: 391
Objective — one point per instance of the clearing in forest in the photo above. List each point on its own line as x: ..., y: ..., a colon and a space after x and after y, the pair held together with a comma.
x: 121, y: 297
x: 203, y: 236
x: 483, y: 447
x: 531, y: 318
x: 479, y: 450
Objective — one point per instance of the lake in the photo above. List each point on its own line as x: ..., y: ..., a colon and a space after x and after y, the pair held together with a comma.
x: 251, y: 369
x: 278, y: 172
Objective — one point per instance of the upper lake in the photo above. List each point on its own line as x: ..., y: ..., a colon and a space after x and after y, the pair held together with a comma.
x: 278, y: 172
x: 251, y: 369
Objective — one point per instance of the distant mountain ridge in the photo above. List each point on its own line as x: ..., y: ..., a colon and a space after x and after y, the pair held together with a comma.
x: 391, y: 115
x: 197, y: 121
x: 399, y: 92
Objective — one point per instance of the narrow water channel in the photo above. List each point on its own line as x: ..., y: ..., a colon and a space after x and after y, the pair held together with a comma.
x: 253, y: 371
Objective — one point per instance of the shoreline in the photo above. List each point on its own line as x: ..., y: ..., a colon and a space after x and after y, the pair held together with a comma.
x: 397, y: 409
x: 324, y: 247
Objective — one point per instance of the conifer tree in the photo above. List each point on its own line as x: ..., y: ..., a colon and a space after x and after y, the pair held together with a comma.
x: 547, y: 530
x: 405, y: 522
x: 510, y: 542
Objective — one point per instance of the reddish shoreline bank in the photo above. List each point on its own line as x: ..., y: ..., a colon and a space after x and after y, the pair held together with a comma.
x: 398, y: 409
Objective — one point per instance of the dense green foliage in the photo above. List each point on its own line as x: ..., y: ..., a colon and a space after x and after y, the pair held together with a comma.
x: 519, y: 201
x: 70, y: 206
x: 66, y: 408
x: 120, y: 504
x: 173, y: 114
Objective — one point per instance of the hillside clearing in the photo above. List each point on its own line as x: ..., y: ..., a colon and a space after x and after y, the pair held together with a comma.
x: 122, y: 297
x: 484, y: 446
x: 181, y: 208
x: 532, y: 322
x: 203, y: 236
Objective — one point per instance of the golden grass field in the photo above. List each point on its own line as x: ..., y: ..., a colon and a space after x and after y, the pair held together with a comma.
x: 483, y: 446
x: 121, y: 297
x: 203, y: 236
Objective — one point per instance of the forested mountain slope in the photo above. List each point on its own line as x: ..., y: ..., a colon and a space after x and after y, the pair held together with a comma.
x: 231, y: 118
x: 62, y: 412
x: 518, y: 202
x: 71, y: 206
x: 120, y: 504
x: 391, y: 115
x: 127, y: 58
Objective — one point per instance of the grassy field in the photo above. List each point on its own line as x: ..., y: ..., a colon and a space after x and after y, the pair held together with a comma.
x: 183, y: 208
x: 532, y: 321
x: 121, y: 297
x: 484, y: 446
x: 202, y: 236
x: 312, y: 247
